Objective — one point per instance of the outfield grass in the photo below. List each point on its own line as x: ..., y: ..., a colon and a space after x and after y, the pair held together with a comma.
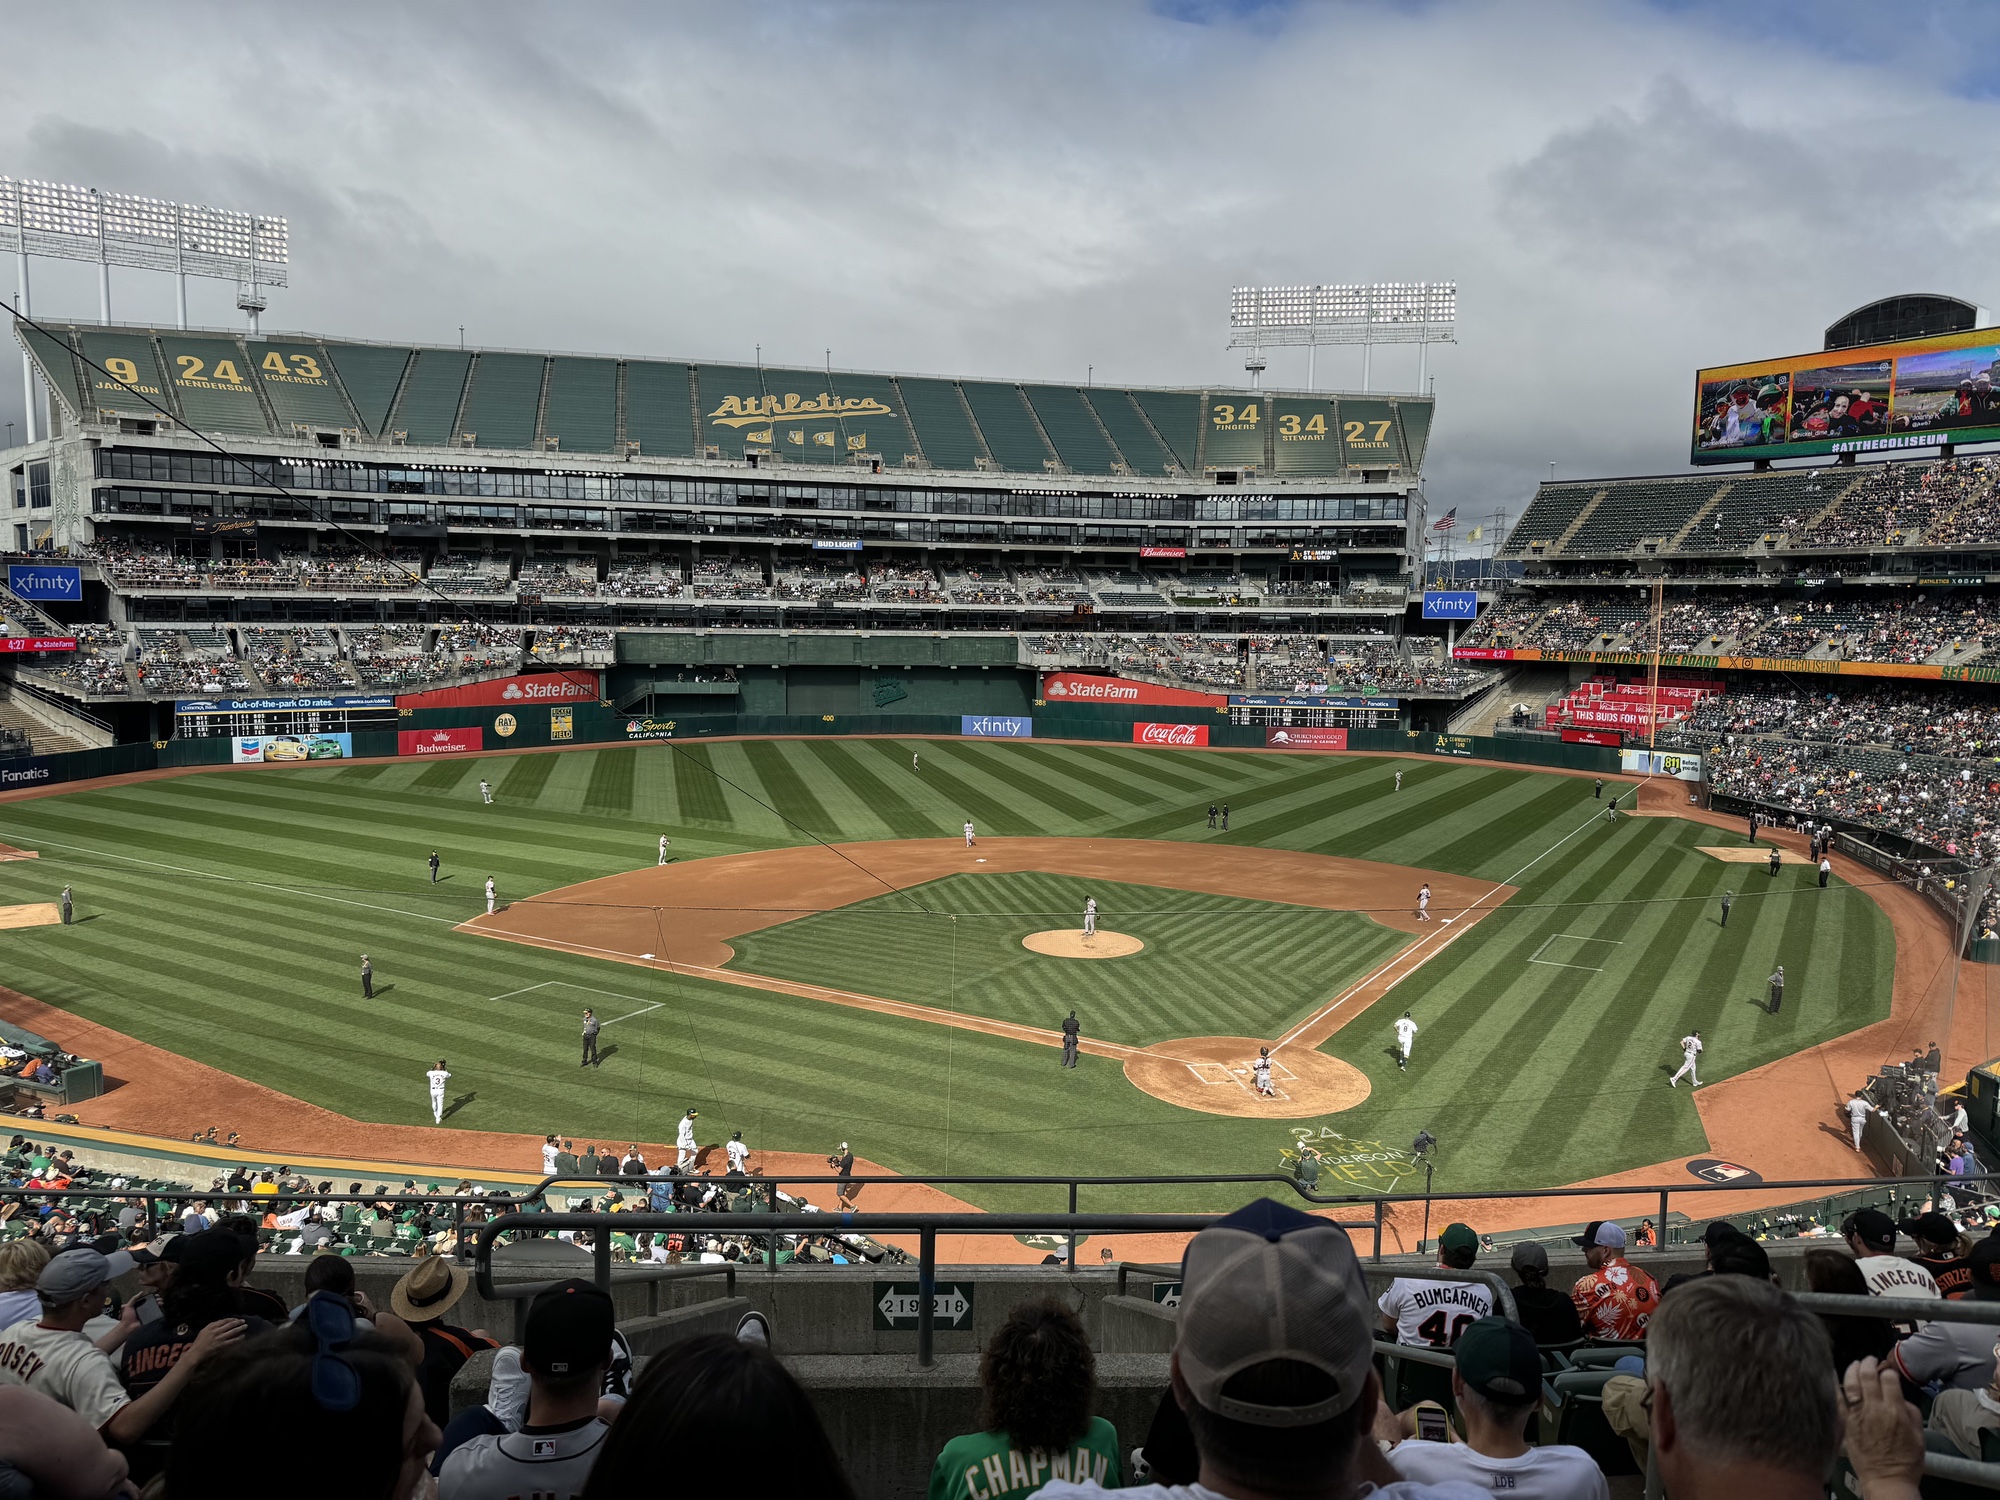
x: 227, y: 912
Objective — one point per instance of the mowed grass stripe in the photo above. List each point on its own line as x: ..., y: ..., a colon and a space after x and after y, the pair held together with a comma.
x: 787, y: 791
x: 1000, y: 763
x: 969, y: 803
x: 610, y: 789
x: 695, y: 787
x: 1071, y: 766
x: 846, y: 766
x: 523, y: 784
x: 1237, y: 799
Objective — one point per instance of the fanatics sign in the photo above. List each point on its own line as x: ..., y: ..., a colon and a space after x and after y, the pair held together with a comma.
x: 1185, y: 735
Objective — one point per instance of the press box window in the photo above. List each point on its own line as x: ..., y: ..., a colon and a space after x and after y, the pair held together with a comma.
x: 38, y: 486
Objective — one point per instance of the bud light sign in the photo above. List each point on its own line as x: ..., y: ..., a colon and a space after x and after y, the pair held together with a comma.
x: 33, y: 581
x: 996, y: 727
x: 1187, y: 736
x: 1455, y: 605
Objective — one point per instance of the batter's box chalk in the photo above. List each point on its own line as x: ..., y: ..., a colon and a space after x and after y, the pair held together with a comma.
x: 1210, y: 1072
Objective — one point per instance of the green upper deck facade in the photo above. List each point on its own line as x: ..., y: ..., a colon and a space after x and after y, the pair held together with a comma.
x: 300, y: 385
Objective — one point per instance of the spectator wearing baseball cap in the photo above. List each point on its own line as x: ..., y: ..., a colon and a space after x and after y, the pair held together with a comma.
x: 1545, y: 1312
x: 1958, y: 1354
x: 565, y: 1350
x: 55, y: 1357
x: 1273, y: 1365
x: 1433, y: 1313
x: 1496, y: 1383
x: 1871, y: 1235
x: 1943, y: 1251
x: 1616, y: 1299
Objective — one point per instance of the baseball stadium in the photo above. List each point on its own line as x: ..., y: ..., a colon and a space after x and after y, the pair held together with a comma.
x: 917, y: 799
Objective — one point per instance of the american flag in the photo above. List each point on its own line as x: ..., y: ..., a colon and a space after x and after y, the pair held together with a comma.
x: 1448, y: 520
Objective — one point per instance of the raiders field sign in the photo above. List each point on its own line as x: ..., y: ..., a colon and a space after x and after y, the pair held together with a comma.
x: 896, y: 1306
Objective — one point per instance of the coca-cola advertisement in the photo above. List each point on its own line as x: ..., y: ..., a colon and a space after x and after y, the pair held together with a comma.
x: 1276, y: 738
x: 1186, y: 736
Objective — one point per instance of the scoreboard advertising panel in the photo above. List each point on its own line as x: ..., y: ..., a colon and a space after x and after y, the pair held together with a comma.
x: 1916, y: 393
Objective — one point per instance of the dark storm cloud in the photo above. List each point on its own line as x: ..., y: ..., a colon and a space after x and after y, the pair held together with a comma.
x: 1623, y: 191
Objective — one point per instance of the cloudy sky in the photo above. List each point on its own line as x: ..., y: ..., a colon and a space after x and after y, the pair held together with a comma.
x: 1623, y: 191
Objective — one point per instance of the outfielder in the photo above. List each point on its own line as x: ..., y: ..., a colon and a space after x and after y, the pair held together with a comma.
x: 1399, y: 781
x: 684, y: 1147
x: 1690, y: 1050
x: 1406, y: 1033
x: 486, y: 792
x: 1423, y: 903
x: 438, y: 1077
x: 1858, y: 1111
x: 1090, y: 917
x: 969, y: 840
x: 913, y: 760
x: 489, y: 895
x: 1261, y: 1071
x: 663, y: 848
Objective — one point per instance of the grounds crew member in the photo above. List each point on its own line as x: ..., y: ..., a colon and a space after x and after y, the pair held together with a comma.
x: 367, y: 978
x: 434, y: 866
x: 1071, y: 1030
x: 69, y: 910
x: 1728, y: 899
x: 1597, y: 789
x: 591, y: 1026
x: 1777, y: 988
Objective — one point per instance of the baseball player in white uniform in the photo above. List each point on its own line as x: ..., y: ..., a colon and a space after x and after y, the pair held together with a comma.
x: 1261, y: 1071
x: 1090, y: 917
x: 684, y: 1147
x: 1406, y: 1033
x: 1690, y: 1050
x: 486, y: 792
x: 663, y: 848
x: 1858, y: 1111
x: 913, y: 760
x: 1399, y: 781
x: 489, y: 895
x: 438, y: 1077
x: 1423, y: 903
x: 968, y: 833
x: 739, y: 1154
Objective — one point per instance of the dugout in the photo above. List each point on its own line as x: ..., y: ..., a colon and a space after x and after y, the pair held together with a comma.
x: 77, y: 1078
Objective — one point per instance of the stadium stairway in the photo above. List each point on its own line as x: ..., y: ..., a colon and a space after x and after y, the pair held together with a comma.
x: 1706, y: 510
x: 1532, y: 687
x: 1589, y: 510
x: 46, y: 740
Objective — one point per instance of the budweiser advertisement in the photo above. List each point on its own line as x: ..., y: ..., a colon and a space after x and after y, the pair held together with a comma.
x: 536, y: 687
x: 1083, y: 687
x: 1185, y: 735
x: 1305, y: 739
x: 1612, y: 737
x: 438, y: 741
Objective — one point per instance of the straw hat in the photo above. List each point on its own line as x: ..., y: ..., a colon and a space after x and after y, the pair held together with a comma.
x: 428, y: 1291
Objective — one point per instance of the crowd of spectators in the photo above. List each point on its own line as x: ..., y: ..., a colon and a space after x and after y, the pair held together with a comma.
x: 1943, y: 804
x: 1928, y: 721
x: 302, y: 658
x: 97, y: 665
x: 191, y: 661
x: 1893, y: 504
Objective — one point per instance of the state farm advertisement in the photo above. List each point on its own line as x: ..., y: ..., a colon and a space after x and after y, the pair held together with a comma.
x: 535, y: 687
x: 1082, y: 687
x: 1305, y: 739
x: 38, y: 643
x: 1185, y: 735
x: 439, y: 741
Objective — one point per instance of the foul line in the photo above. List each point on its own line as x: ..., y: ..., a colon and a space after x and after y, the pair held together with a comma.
x: 1460, y: 928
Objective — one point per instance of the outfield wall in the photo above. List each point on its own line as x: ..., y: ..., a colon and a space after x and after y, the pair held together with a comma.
x: 461, y: 730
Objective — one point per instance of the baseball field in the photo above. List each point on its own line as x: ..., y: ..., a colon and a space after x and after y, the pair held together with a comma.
x: 880, y: 991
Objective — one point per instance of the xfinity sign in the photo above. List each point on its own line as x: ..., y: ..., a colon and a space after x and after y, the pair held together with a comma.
x: 45, y: 584
x: 996, y: 726
x: 1454, y: 605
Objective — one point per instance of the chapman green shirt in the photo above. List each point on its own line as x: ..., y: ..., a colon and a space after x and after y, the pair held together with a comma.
x: 987, y: 1465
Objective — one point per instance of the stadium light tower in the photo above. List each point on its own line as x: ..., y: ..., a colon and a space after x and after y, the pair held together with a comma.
x: 1377, y: 312
x: 65, y: 222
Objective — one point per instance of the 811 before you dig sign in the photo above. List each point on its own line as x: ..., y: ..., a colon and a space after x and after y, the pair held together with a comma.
x: 897, y: 1304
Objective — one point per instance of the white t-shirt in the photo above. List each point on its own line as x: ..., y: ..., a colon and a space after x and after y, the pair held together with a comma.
x: 1069, y: 1489
x: 1434, y: 1312
x: 65, y: 1366
x: 1892, y: 1276
x: 1556, y: 1472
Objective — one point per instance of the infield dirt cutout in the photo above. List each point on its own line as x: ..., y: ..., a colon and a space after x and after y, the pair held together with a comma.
x: 625, y: 918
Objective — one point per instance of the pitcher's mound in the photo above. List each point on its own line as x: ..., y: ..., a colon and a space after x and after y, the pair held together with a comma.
x: 1069, y: 942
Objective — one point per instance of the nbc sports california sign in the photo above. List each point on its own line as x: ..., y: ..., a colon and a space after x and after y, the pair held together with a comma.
x: 1184, y: 735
